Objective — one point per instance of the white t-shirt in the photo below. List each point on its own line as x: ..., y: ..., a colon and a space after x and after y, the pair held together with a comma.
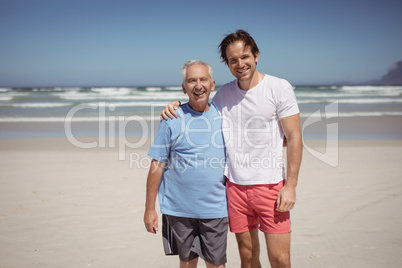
x: 252, y: 131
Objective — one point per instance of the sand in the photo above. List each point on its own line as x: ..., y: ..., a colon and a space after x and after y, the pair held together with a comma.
x: 62, y: 206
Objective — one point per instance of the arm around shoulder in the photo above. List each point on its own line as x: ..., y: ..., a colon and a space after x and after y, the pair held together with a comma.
x: 169, y: 110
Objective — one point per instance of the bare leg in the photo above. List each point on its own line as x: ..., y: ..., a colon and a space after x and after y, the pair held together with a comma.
x: 189, y: 264
x: 210, y: 265
x: 278, y: 246
x: 249, y: 249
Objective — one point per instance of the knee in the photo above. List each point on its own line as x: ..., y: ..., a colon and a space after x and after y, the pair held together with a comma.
x: 280, y: 260
x: 250, y: 256
x: 249, y: 250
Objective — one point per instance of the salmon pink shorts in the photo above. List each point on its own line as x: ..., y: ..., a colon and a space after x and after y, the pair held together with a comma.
x: 254, y: 206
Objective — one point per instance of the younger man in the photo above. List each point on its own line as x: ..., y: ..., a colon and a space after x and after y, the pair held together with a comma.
x: 258, y: 112
x: 188, y: 169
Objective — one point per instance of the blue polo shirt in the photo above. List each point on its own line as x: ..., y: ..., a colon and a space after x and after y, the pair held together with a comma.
x: 193, y: 183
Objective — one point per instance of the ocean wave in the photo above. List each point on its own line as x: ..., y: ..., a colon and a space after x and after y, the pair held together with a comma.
x: 127, y: 104
x: 77, y: 119
x: 351, y: 101
x: 152, y: 89
x: 174, y: 88
x: 111, y: 91
x: 347, y: 94
x: 53, y: 89
x: 37, y: 105
x: 371, y: 88
x: 14, y: 94
x: 141, y: 96
x: 156, y: 117
x: 351, y: 114
x: 328, y: 87
x: 371, y: 101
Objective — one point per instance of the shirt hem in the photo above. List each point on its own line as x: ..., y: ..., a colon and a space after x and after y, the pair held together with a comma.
x: 255, y: 182
x: 183, y: 215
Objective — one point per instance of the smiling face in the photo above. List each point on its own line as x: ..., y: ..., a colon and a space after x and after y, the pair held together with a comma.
x: 242, y: 63
x: 198, y: 85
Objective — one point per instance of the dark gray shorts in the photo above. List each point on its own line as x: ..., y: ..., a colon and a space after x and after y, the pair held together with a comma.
x: 191, y: 238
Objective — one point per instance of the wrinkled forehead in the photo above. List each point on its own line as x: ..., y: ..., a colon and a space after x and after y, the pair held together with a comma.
x: 197, y: 71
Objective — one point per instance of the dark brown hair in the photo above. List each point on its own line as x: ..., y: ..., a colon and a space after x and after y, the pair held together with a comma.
x: 239, y: 35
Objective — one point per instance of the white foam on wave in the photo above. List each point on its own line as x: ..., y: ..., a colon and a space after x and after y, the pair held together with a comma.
x: 5, y: 98
x: 351, y: 101
x: 322, y: 95
x: 368, y: 101
x: 142, y: 96
x: 112, y: 91
x: 352, y: 91
x: 67, y: 89
x: 174, y: 88
x: 351, y: 114
x: 37, y: 105
x: 347, y: 94
x: 173, y: 95
x: 77, y: 119
x: 156, y: 117
x: 14, y: 94
x: 76, y: 95
x: 152, y: 89
x: 371, y: 88
x: 53, y: 89
x: 327, y: 87
x: 127, y: 104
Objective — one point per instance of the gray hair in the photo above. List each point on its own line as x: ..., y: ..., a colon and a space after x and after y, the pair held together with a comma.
x: 195, y: 62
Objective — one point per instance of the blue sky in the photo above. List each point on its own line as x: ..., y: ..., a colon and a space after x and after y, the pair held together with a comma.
x: 139, y: 43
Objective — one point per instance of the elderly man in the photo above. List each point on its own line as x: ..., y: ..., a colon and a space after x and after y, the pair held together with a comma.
x: 188, y: 169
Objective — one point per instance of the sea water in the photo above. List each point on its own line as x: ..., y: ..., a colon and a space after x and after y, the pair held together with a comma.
x: 39, y: 107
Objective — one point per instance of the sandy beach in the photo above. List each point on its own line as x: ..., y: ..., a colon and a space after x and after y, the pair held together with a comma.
x: 63, y: 206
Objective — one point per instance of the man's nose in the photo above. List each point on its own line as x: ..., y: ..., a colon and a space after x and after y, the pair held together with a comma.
x: 198, y: 85
x: 240, y: 62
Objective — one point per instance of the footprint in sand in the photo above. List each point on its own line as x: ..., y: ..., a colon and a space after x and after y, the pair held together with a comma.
x: 315, y: 256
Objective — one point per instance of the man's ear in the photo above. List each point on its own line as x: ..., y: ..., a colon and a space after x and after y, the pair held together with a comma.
x: 256, y: 56
x: 184, y: 89
x: 213, y: 86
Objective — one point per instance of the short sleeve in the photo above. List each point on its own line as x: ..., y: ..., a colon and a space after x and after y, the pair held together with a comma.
x: 287, y: 104
x: 160, y: 147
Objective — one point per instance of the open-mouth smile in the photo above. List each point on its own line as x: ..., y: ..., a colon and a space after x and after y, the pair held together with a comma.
x: 242, y: 71
x: 198, y: 94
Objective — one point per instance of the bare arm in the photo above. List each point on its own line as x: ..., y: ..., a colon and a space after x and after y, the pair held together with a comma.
x: 153, y: 182
x: 291, y: 128
x: 169, y: 110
